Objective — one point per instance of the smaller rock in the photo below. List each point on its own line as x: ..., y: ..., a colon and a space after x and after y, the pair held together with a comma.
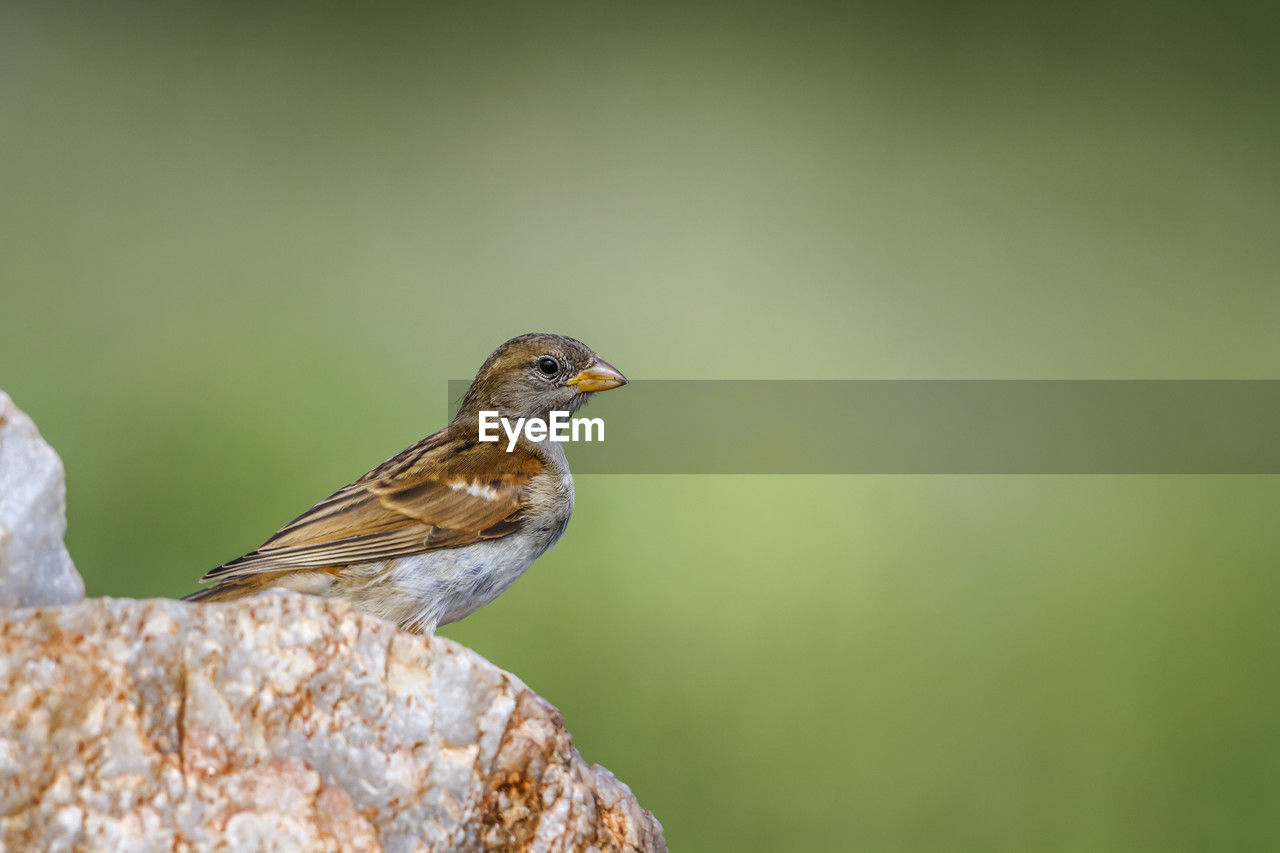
x: 35, y: 568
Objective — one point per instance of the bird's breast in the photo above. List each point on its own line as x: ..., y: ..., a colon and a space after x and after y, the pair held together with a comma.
x: 548, y: 505
x: 422, y: 591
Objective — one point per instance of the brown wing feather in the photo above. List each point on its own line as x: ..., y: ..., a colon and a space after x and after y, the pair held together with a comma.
x: 446, y: 490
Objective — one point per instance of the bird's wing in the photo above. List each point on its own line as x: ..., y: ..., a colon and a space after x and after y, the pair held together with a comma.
x: 446, y: 490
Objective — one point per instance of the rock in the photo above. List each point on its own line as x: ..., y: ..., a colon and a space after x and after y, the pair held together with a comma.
x: 282, y: 722
x: 35, y: 568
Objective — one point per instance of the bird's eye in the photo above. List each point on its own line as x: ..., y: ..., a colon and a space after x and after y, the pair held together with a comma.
x: 548, y: 365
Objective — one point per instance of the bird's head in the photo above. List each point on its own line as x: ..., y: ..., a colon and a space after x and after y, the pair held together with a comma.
x: 537, y: 373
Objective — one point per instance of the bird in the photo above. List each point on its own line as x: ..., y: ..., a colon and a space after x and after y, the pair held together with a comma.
x: 447, y: 525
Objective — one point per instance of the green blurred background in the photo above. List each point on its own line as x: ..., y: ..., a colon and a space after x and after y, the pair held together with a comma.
x: 244, y: 247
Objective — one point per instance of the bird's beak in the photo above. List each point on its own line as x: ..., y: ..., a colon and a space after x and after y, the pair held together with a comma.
x: 599, y: 376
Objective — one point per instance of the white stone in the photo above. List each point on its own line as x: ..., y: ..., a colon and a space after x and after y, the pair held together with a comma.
x: 35, y: 568
x: 282, y: 722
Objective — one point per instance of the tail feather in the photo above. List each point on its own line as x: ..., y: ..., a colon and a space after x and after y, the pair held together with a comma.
x: 230, y: 590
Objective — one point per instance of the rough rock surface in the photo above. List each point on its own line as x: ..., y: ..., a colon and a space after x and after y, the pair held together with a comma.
x: 282, y: 722
x: 35, y: 568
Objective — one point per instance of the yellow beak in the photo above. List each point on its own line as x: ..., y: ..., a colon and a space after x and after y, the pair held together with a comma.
x: 599, y: 376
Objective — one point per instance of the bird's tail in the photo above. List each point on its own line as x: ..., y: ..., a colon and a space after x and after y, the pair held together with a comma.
x: 230, y: 590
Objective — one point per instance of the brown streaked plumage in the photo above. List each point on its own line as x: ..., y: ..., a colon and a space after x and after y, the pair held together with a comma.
x: 444, y: 527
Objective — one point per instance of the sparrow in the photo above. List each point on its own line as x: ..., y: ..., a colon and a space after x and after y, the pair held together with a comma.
x: 446, y: 526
